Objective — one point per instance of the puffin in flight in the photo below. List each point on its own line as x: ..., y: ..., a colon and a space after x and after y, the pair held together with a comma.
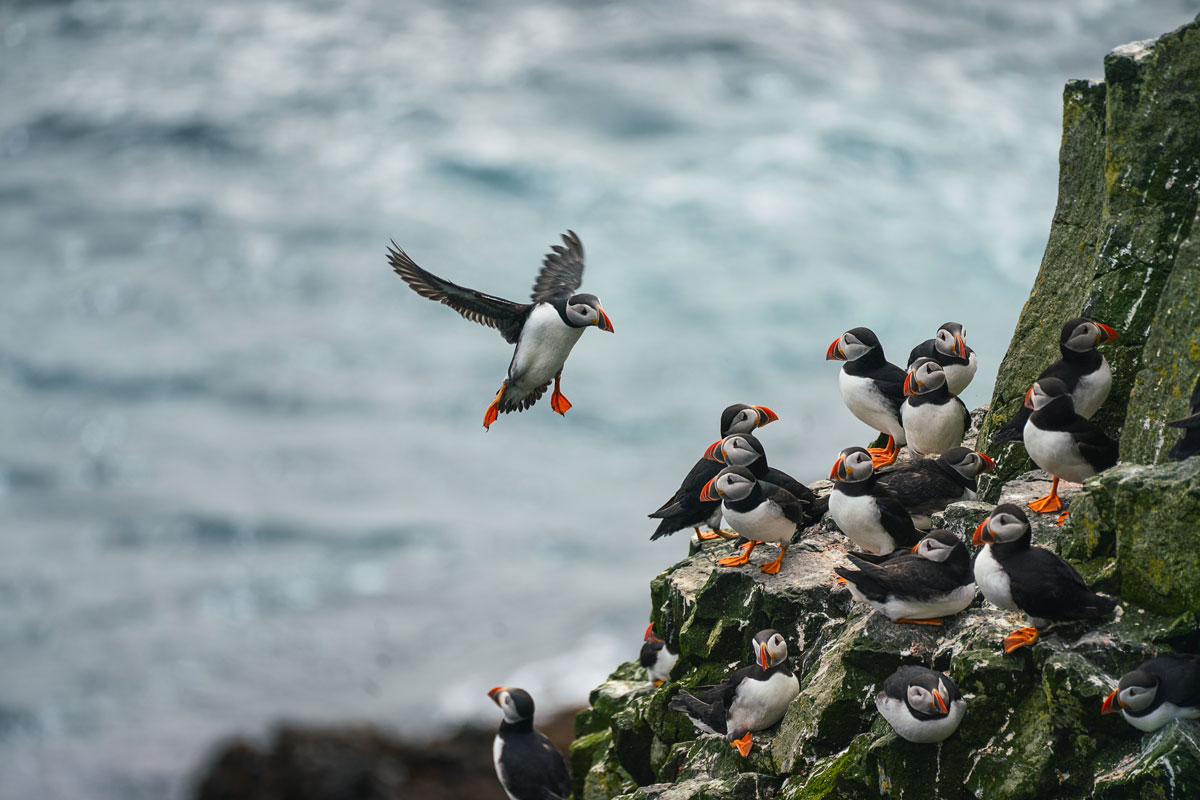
x: 751, y: 699
x: 872, y: 388
x: 543, y: 331
x: 949, y: 348
x: 527, y: 763
x: 1084, y: 371
x: 655, y: 656
x: 1162, y: 689
x: 921, y: 705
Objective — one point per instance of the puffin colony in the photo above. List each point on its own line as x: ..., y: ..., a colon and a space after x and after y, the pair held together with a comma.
x: 903, y: 570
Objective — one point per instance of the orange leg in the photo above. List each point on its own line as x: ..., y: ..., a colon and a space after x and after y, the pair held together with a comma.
x: 1019, y: 638
x: 743, y: 744
x: 493, y: 409
x: 1048, y: 503
x: 557, y: 401
x: 934, y: 621
x: 841, y: 581
x: 881, y: 458
x: 705, y: 537
x: 657, y: 684
x: 740, y: 559
x: 772, y: 567
x: 1061, y: 518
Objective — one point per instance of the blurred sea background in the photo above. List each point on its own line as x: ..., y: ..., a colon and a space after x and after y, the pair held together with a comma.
x: 242, y: 472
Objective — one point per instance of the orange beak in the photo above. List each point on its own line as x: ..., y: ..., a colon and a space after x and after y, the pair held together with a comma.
x: 960, y: 346
x: 494, y: 693
x: 713, y: 453
x: 1028, y: 396
x: 908, y: 385
x: 1111, y: 704
x: 707, y: 492
x: 982, y: 534
x: 765, y: 416
x: 915, y: 546
x: 988, y: 463
x: 940, y: 702
x: 1107, y: 333
x: 649, y: 636
x: 604, y: 323
x: 834, y: 353
x: 835, y: 473
x: 762, y: 657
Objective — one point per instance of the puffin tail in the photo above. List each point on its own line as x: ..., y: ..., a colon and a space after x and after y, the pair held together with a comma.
x: 665, y: 528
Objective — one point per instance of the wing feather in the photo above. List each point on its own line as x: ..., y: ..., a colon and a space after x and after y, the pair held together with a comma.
x: 562, y: 270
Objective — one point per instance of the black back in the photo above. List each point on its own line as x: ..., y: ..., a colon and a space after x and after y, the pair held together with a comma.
x: 926, y: 485
x: 892, y: 514
x: 888, y: 377
x: 1178, y: 682
x: 533, y: 769
x: 896, y: 687
x: 1094, y: 445
x: 910, y: 576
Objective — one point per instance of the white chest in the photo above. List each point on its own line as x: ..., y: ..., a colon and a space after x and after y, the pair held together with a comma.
x: 665, y: 661
x: 932, y: 429
x: 858, y: 518
x: 958, y: 376
x: 545, y: 343
x: 760, y: 704
x: 763, y: 523
x: 1057, y: 453
x: 993, y: 581
x: 945, y: 606
x: 866, y: 402
x: 497, y: 753
x: 1092, y: 391
x: 922, y: 731
x: 1160, y: 716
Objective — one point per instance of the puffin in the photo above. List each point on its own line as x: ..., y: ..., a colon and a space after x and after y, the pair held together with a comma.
x: 936, y: 583
x: 872, y: 387
x: 761, y: 512
x: 685, y: 509
x: 864, y: 510
x: 934, y: 420
x: 745, y: 450
x: 655, y: 657
x: 751, y: 699
x: 929, y: 485
x: 1061, y: 442
x: 921, y: 705
x: 1084, y: 371
x: 527, y: 763
x: 1016, y: 576
x: 949, y: 348
x: 1162, y: 689
x: 543, y: 331
x: 1189, y: 445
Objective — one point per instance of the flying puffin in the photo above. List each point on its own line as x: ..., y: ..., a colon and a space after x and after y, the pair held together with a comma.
x: 745, y: 450
x: 527, y: 763
x: 1016, y: 576
x: 949, y: 348
x: 544, y: 331
x: 1084, y: 371
x: 929, y: 485
x: 872, y: 387
x: 1061, y: 442
x: 761, y: 512
x: 921, y: 705
x: 865, y: 511
x: 934, y: 419
x: 936, y: 583
x: 1189, y: 445
x: 751, y: 699
x: 1162, y: 689
x: 655, y: 657
x: 685, y: 509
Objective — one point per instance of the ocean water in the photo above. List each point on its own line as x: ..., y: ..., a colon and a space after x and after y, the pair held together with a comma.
x: 242, y: 472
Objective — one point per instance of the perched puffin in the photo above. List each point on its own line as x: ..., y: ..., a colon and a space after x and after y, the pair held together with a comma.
x: 761, y: 512
x: 872, y: 387
x: 751, y: 699
x: 1189, y: 445
x: 1061, y: 442
x: 929, y: 485
x: 936, y: 583
x: 1016, y: 576
x: 745, y: 450
x: 865, y: 511
x: 527, y: 764
x: 949, y: 348
x: 655, y: 657
x: 1162, y: 689
x: 685, y: 509
x: 1084, y: 371
x: 544, y: 331
x: 921, y: 705
x: 934, y: 419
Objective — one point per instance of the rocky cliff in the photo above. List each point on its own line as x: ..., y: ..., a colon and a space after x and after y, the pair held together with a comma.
x: 1123, y: 249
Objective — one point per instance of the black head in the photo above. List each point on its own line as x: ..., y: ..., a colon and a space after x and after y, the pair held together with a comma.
x: 738, y: 450
x: 770, y: 648
x: 853, y: 345
x: 740, y: 418
x: 1137, y: 690
x: 951, y: 340
x: 940, y: 546
x: 967, y: 462
x: 1081, y: 334
x: 516, y: 704
x: 924, y: 375
x: 854, y: 464
x: 1006, y: 523
x: 927, y: 694
x: 1048, y: 390
x: 731, y: 483
x: 582, y: 310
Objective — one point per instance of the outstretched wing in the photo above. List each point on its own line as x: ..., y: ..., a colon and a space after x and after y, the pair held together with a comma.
x: 562, y: 270
x: 495, y: 312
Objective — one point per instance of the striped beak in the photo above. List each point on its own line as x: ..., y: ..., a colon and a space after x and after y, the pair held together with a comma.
x: 940, y: 703
x: 494, y: 693
x: 988, y: 463
x: 604, y: 323
x: 765, y: 416
x: 960, y: 346
x: 649, y: 636
x: 716, y: 452
x: 834, y: 353
x: 838, y: 472
x: 762, y: 657
x: 708, y: 493
x: 1111, y: 704
x: 1029, y: 398
x: 1107, y: 334
x: 983, y: 535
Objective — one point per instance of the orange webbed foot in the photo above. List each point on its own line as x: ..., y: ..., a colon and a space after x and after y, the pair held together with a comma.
x: 772, y: 567
x: 840, y: 580
x: 743, y: 744
x: 1019, y: 638
x: 740, y: 559
x: 1044, y: 505
x: 558, y: 401
x: 934, y: 621
x: 706, y: 537
x: 658, y: 683
x: 493, y: 409
x: 1061, y: 518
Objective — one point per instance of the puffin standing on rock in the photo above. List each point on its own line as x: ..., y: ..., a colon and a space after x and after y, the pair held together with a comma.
x: 745, y: 450
x: 543, y: 331
x: 936, y: 582
x: 864, y: 510
x: 1162, y: 689
x: 655, y: 657
x: 761, y: 512
x: 1061, y: 442
x: 934, y: 419
x: 872, y: 387
x: 949, y: 348
x: 921, y: 705
x: 527, y: 763
x: 929, y: 485
x: 1082, y: 369
x: 685, y: 508
x: 1016, y: 576
x: 751, y: 699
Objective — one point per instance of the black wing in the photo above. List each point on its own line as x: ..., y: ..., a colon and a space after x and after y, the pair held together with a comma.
x: 966, y: 415
x: 789, y: 484
x: 890, y: 380
x: 1094, y: 444
x: 924, y: 350
x: 1180, y: 677
x: 495, y: 312
x: 562, y: 270
x: 792, y: 508
x: 914, y: 577
x: 1045, y: 586
x: 685, y: 508
x: 896, y: 521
